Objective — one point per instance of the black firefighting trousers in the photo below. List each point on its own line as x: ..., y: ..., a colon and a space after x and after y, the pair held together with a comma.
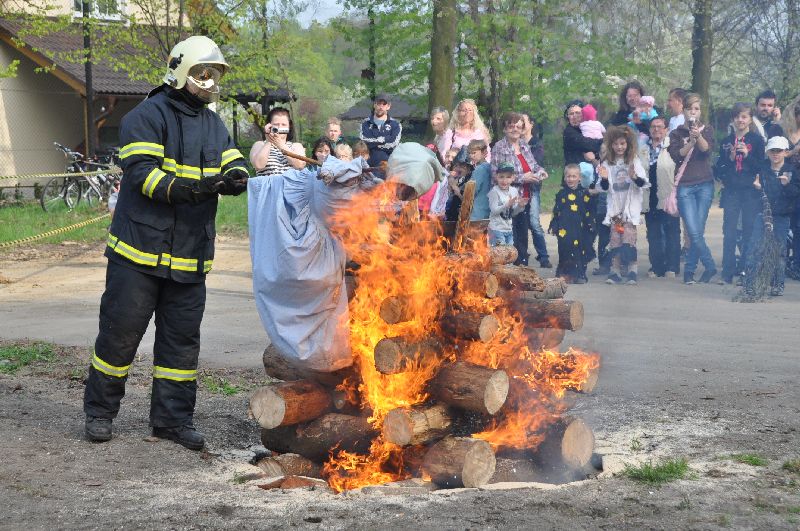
x: 128, y: 303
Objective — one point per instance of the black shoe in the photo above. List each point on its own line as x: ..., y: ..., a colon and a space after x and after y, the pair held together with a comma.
x: 614, y: 278
x: 688, y: 278
x: 598, y: 271
x: 98, y: 429
x: 727, y: 279
x: 546, y: 264
x: 186, y: 436
x: 707, y: 275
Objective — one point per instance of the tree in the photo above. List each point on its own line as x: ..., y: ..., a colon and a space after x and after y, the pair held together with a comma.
x: 441, y: 79
x: 702, y: 46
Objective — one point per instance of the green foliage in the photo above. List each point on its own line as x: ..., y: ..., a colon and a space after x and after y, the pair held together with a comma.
x: 664, y: 472
x: 14, y: 357
x: 10, y: 70
x: 792, y: 465
x: 220, y: 386
x: 750, y: 459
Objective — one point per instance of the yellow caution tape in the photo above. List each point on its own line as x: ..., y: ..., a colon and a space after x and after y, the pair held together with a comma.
x: 112, y: 171
x: 53, y: 232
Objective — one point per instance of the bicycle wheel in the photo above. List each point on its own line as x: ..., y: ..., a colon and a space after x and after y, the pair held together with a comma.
x: 90, y: 194
x: 72, y: 193
x: 54, y: 195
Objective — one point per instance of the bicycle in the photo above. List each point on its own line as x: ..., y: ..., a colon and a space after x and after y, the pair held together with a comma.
x: 66, y: 192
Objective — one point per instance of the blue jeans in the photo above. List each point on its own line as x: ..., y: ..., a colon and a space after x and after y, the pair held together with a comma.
x: 694, y: 202
x: 500, y: 237
x: 536, y: 228
x: 738, y: 204
x: 796, y: 235
x: 780, y: 230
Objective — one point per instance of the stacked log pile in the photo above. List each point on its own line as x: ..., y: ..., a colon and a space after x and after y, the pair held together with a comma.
x: 304, y: 420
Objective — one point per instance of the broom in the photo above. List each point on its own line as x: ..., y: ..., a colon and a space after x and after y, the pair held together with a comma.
x: 759, y: 281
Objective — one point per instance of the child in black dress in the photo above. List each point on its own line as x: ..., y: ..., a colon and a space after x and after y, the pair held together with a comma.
x: 573, y: 225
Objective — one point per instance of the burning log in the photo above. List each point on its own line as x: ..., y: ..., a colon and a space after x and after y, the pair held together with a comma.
x: 289, y: 403
x: 416, y: 425
x: 460, y: 462
x: 554, y: 288
x: 396, y: 354
x: 464, y: 213
x: 289, y: 465
x: 316, y: 439
x: 481, y: 282
x: 513, y: 470
x: 469, y: 325
x: 517, y: 277
x: 545, y: 338
x: 553, y: 313
x: 400, y: 308
x: 279, y: 368
x: 471, y: 387
x: 569, y: 444
x: 502, y: 254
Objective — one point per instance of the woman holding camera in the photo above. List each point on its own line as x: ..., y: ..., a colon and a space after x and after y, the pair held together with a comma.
x: 693, y: 143
x: 266, y: 155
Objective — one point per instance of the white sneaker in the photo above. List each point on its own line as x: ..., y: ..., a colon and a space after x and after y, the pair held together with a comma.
x: 670, y: 274
x: 651, y: 274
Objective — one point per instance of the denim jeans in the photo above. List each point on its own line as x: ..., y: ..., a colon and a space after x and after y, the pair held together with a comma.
x: 663, y: 242
x: 737, y: 202
x: 694, y: 202
x: 536, y: 228
x: 500, y: 237
x: 603, y: 232
x: 780, y: 230
x: 796, y: 235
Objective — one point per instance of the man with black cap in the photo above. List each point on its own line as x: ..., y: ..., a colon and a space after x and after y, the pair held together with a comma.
x: 380, y: 132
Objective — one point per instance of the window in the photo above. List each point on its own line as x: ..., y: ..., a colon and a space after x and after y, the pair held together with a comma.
x: 102, y: 9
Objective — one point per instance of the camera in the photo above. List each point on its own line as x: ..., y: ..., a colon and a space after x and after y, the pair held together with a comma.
x: 278, y: 130
x: 692, y: 122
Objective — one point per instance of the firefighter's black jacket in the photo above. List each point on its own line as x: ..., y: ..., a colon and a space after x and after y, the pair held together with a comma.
x: 165, y: 139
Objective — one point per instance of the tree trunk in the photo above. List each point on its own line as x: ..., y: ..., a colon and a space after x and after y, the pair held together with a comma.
x: 502, y: 254
x: 289, y: 403
x: 471, y: 387
x: 289, y: 465
x: 519, y: 278
x: 441, y: 78
x: 416, y: 425
x: 394, y: 355
x: 460, y: 462
x: 469, y: 325
x: 553, y: 313
x: 702, y: 45
x: 316, y: 439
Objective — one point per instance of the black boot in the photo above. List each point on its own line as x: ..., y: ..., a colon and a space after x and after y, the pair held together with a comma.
x: 186, y: 436
x: 97, y: 429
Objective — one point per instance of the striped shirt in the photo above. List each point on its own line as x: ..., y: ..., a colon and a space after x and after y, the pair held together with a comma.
x: 277, y: 163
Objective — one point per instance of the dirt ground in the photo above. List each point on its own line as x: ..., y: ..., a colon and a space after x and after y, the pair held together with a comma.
x: 686, y: 373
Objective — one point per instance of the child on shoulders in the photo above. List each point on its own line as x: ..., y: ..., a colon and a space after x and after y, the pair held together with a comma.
x: 590, y: 128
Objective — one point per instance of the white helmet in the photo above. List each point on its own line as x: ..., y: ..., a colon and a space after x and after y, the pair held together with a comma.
x: 199, y: 61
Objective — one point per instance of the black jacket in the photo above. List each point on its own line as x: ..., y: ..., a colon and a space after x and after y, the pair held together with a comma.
x: 164, y: 140
x: 739, y: 175
x: 575, y: 145
x: 782, y: 198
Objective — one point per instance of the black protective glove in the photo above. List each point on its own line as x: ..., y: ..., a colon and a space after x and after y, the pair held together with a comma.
x: 193, y: 191
x: 234, y: 182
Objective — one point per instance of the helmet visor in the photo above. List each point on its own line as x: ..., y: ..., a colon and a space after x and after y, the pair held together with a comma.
x: 204, y: 81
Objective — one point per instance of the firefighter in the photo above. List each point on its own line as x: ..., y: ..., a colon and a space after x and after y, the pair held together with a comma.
x: 176, y: 156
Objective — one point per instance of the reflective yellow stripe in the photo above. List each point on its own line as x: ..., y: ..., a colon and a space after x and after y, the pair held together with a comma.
x: 179, y: 375
x: 183, y: 264
x: 141, y: 148
x: 166, y: 259
x: 131, y: 253
x: 107, y: 368
x: 230, y: 155
x: 186, y: 171
x: 207, y: 265
x: 210, y: 172
x: 152, y: 180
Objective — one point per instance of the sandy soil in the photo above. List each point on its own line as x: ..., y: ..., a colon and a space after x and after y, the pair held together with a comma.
x: 686, y: 373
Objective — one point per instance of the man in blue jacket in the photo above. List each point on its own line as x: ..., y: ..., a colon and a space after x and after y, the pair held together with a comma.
x: 176, y: 157
x: 380, y: 132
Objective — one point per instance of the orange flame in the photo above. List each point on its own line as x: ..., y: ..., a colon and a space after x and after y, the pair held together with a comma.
x: 401, y: 257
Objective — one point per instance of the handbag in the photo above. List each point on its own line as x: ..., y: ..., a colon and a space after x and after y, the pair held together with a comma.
x: 671, y: 202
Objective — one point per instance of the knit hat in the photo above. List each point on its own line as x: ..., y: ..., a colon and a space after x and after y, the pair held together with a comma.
x: 589, y: 112
x: 647, y: 100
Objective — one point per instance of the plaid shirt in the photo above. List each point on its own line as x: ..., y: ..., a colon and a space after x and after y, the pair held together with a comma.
x: 503, y: 151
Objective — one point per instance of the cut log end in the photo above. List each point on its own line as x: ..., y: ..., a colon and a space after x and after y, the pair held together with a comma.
x: 472, y: 387
x: 488, y: 328
x: 577, y: 444
x: 460, y: 462
x: 417, y: 425
x: 289, y: 403
x: 496, y: 392
x: 503, y: 254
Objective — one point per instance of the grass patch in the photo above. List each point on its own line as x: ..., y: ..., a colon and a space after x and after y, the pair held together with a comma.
x: 663, y: 472
x: 636, y: 445
x: 750, y: 459
x: 792, y: 465
x: 220, y: 386
x: 14, y: 357
x: 232, y: 214
x: 21, y: 220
